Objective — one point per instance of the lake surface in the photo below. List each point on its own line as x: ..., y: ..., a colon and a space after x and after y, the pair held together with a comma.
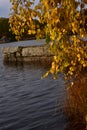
x: 28, y: 102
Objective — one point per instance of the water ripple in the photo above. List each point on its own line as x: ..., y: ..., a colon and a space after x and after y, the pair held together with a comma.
x: 29, y: 103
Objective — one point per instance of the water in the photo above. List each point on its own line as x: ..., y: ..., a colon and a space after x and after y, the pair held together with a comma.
x: 28, y: 102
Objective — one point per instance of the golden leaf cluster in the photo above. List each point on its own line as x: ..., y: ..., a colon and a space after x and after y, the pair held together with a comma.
x: 62, y: 24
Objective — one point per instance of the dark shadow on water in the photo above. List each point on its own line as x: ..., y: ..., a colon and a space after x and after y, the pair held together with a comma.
x: 33, y: 65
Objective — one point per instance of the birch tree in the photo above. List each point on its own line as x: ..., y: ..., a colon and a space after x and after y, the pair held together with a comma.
x: 63, y: 26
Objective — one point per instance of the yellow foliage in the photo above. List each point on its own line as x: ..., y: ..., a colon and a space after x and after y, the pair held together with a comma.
x: 61, y: 24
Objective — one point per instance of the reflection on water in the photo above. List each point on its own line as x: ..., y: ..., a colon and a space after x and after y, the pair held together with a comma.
x: 28, y: 102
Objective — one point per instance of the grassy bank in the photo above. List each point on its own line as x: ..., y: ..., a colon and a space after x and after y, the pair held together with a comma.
x: 76, y: 103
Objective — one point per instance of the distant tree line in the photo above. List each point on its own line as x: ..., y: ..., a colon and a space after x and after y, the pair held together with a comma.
x: 4, y: 29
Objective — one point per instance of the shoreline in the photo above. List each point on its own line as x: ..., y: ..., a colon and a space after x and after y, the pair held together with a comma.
x: 27, y: 54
